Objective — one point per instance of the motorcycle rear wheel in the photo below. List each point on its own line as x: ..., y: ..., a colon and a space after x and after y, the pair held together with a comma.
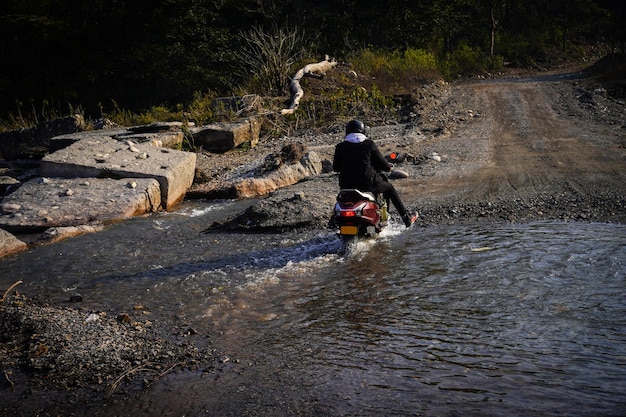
x: 348, y: 243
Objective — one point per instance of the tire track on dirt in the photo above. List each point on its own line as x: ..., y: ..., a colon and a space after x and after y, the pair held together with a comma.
x: 531, y: 157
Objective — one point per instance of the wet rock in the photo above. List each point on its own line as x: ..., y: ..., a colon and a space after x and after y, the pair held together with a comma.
x: 9, y: 244
x: 56, y: 234
x: 76, y: 298
x: 39, y: 205
x: 290, y: 208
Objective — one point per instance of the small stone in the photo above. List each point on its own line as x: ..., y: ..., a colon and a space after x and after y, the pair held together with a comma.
x: 142, y: 156
x: 92, y: 317
x: 69, y: 192
x: 76, y: 298
x: 132, y: 184
x: 10, y: 207
x: 123, y: 318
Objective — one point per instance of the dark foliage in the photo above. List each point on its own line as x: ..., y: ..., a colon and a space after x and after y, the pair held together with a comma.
x: 139, y: 53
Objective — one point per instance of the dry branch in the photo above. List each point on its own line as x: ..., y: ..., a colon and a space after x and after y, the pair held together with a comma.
x: 317, y: 70
x: 9, y: 290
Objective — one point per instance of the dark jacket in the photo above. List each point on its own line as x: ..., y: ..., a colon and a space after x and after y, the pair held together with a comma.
x: 358, y: 165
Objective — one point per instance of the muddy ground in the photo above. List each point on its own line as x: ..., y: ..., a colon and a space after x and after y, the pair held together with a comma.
x: 516, y: 149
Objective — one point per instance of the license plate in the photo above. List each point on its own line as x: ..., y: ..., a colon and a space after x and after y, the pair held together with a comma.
x: 348, y: 230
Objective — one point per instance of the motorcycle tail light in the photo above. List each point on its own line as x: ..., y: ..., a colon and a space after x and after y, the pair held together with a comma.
x: 351, y: 212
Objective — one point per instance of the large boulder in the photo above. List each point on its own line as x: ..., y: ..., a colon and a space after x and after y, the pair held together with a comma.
x: 291, y: 165
x: 309, y: 165
x: 55, y: 202
x: 9, y: 244
x: 300, y: 206
x: 105, y: 157
x: 222, y: 137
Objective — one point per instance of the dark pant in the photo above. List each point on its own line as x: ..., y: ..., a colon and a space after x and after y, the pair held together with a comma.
x: 390, y: 193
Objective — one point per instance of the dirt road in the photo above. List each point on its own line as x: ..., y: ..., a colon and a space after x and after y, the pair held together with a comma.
x: 539, y: 148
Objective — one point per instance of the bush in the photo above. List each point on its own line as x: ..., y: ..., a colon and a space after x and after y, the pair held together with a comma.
x: 267, y: 57
x: 413, y: 63
x: 464, y: 61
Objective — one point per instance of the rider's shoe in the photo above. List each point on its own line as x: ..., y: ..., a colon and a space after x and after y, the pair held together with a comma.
x: 409, y: 218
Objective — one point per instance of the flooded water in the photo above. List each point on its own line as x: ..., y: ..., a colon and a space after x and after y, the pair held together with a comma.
x: 493, y: 320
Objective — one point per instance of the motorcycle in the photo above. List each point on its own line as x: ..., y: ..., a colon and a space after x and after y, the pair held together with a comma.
x: 359, y: 215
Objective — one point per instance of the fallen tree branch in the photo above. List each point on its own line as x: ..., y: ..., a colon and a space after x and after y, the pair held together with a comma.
x: 140, y: 368
x: 6, y: 376
x: 317, y: 70
x: 9, y: 290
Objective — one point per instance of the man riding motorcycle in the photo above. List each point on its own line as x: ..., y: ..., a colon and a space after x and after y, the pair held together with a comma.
x: 359, y: 163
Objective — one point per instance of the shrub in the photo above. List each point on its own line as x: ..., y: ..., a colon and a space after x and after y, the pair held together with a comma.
x: 464, y: 61
x: 413, y: 63
x: 267, y: 57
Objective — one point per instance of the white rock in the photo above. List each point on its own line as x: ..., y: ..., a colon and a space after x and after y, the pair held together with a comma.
x: 10, y: 207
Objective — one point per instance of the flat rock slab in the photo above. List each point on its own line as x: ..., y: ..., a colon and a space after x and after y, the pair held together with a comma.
x: 166, y: 138
x: 54, y: 202
x: 105, y: 157
x: 222, y: 137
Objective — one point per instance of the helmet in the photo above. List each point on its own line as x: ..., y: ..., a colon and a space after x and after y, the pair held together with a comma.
x: 355, y: 126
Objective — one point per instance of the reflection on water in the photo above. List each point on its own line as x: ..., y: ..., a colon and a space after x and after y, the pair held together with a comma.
x: 487, y: 320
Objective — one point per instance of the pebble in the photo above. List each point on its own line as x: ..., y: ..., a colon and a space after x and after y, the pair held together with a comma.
x: 123, y: 318
x: 10, y: 207
x: 76, y: 298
